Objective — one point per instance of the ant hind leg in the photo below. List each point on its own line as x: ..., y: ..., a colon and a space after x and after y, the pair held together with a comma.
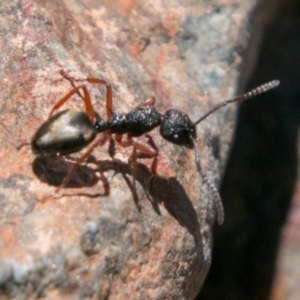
x: 93, y: 80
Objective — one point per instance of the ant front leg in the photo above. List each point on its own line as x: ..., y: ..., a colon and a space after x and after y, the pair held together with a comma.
x: 141, y: 148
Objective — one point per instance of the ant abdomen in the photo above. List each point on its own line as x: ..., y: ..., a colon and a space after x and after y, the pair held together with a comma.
x: 67, y: 132
x: 177, y: 128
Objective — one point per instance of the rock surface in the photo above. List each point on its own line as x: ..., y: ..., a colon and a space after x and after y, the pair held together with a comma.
x: 256, y: 252
x: 91, y: 241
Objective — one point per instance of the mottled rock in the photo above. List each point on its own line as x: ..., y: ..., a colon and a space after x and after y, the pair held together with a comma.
x: 91, y: 240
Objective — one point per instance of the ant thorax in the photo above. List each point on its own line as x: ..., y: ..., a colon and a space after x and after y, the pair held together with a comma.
x: 143, y: 119
x: 135, y: 123
x: 118, y: 123
x: 100, y: 125
x: 176, y: 127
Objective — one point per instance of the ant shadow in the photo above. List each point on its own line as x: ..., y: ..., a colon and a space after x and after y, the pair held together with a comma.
x: 167, y: 191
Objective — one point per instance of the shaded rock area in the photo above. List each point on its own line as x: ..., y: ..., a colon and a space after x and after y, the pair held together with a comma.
x: 256, y: 254
x: 94, y: 239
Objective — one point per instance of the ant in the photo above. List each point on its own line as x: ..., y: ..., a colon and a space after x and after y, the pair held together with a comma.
x: 70, y: 130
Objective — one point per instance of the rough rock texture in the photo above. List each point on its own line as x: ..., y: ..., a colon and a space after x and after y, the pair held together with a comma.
x: 92, y: 241
x: 256, y: 252
x: 285, y: 284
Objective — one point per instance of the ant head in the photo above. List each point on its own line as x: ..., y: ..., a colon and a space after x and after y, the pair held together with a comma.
x: 177, y: 128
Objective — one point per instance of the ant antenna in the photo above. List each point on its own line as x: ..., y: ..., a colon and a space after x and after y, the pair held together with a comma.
x: 217, y: 198
x: 256, y: 91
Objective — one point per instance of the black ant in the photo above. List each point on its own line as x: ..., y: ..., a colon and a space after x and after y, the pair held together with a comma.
x: 70, y: 131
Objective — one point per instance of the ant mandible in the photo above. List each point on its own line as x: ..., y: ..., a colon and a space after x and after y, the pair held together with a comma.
x: 70, y: 130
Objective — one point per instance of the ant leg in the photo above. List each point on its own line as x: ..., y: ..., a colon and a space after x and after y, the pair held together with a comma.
x: 87, y: 101
x: 129, y: 142
x: 134, y: 165
x: 254, y: 92
x: 109, y: 110
x: 140, y: 147
x: 98, y: 142
x: 217, y: 198
x: 23, y: 143
x: 153, y: 154
x: 148, y: 102
x: 70, y: 79
x: 92, y: 80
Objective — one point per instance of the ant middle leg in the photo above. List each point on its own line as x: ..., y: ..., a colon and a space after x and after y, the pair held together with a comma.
x: 217, y: 198
x: 97, y: 142
x: 141, y: 148
x: 154, y: 162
